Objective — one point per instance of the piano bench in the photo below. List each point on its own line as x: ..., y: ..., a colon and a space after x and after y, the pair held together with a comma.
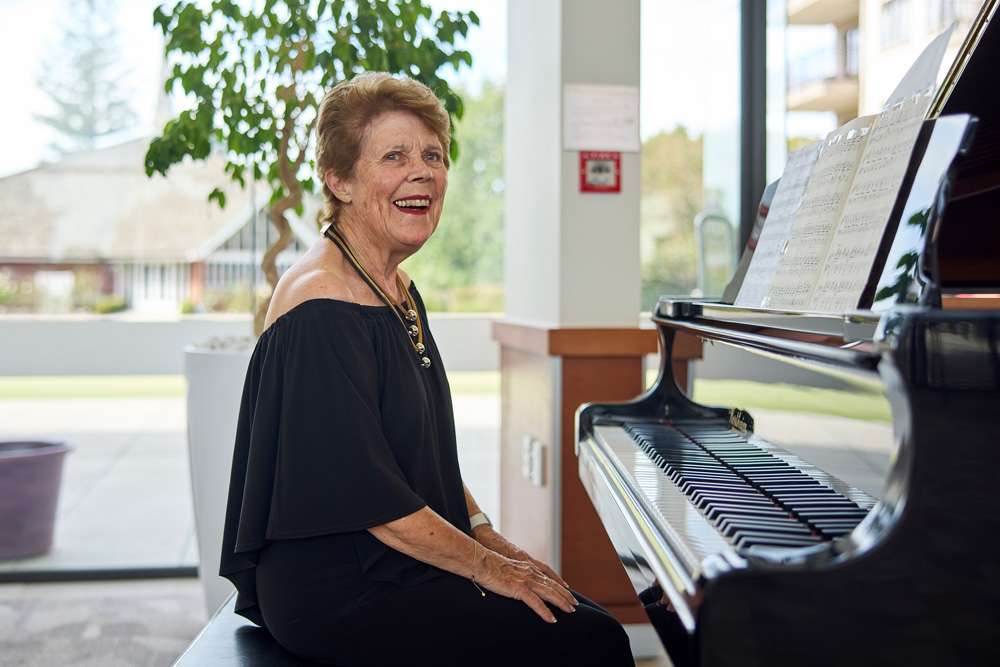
x: 230, y: 639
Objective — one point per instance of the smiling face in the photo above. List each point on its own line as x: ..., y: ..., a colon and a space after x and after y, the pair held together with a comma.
x: 399, y: 183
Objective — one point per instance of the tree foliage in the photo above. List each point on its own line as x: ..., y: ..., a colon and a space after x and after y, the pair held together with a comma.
x: 672, y: 195
x: 257, y: 72
x: 461, y: 266
x: 82, y: 77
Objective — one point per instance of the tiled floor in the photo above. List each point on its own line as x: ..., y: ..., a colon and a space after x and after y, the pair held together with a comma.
x: 100, y: 624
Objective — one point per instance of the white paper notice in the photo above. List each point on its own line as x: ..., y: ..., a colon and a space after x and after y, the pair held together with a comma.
x: 601, y: 118
x: 869, y: 205
x: 777, y: 226
x: 818, y: 215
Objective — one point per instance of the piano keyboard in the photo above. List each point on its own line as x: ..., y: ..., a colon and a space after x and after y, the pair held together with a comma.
x: 753, y: 497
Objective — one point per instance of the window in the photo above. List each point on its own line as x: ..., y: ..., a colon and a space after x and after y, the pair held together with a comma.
x: 894, y: 23
x: 941, y: 13
x: 851, y: 61
x: 690, y: 129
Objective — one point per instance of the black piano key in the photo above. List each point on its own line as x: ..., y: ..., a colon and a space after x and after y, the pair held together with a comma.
x: 742, y: 504
x: 752, y: 496
x: 703, y: 496
x: 713, y: 495
x: 770, y: 520
x: 774, y: 541
x: 834, y: 525
x: 725, y: 511
x: 748, y: 538
x: 731, y: 529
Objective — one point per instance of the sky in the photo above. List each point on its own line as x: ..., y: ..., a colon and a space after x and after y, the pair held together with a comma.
x: 28, y: 27
x: 672, y: 93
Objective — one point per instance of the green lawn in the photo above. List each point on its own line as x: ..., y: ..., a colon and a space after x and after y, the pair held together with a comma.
x: 746, y: 394
x: 160, y: 386
x: 91, y: 386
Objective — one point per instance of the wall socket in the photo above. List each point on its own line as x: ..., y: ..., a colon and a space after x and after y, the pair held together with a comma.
x: 533, y: 460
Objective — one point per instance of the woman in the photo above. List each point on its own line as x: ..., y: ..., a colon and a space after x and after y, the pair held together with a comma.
x: 348, y: 531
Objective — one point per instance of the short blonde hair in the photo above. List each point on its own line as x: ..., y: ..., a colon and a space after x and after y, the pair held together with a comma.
x: 349, y: 107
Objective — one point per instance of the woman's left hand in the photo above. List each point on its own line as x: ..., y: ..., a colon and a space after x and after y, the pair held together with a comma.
x: 493, y: 540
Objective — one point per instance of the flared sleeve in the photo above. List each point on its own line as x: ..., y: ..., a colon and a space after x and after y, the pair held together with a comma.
x: 310, y: 456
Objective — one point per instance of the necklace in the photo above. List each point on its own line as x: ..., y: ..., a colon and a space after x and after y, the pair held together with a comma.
x: 405, y: 313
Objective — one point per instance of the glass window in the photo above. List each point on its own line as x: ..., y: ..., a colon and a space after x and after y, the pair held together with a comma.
x: 844, y: 61
x: 690, y: 127
x: 894, y: 23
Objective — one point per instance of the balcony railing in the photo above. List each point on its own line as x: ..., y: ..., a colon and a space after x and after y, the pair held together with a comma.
x: 827, y: 62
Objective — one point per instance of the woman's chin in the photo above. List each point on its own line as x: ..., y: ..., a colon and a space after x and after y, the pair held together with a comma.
x: 414, y: 233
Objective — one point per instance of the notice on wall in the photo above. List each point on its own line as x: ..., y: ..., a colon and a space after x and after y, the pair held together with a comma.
x: 601, y: 118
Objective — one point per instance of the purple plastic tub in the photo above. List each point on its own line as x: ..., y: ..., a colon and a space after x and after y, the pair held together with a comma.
x: 30, y: 475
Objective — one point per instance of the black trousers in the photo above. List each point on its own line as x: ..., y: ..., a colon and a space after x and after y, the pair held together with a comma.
x: 445, y: 621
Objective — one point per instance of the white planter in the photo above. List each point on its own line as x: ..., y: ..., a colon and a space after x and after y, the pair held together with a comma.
x: 215, y: 373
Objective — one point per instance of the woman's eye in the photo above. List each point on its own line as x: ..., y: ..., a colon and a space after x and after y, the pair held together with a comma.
x: 432, y: 156
x: 392, y: 155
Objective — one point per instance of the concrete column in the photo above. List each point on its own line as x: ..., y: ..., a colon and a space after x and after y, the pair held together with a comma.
x: 570, y: 334
x: 571, y: 258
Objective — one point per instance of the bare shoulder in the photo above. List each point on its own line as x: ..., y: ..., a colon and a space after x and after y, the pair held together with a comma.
x: 309, y: 284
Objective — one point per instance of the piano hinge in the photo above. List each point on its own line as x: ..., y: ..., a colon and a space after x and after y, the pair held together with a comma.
x: 741, y: 420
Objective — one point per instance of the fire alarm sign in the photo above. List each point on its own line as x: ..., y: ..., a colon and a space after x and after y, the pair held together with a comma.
x: 600, y: 171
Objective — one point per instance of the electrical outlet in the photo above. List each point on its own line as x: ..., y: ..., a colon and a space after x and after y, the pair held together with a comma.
x: 532, y: 460
x: 537, y: 476
x: 526, y: 446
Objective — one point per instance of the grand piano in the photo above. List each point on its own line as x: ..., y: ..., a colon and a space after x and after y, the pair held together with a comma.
x: 861, y: 525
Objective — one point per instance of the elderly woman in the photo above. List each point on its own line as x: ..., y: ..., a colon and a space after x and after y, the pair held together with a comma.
x: 349, y: 533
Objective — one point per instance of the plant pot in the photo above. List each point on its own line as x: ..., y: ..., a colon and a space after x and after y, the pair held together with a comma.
x: 215, y: 372
x: 30, y: 477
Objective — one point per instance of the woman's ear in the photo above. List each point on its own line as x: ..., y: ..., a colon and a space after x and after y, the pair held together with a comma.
x: 340, y: 188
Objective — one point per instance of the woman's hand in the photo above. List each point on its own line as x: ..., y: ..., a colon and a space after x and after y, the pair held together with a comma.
x: 488, y: 537
x: 524, y: 581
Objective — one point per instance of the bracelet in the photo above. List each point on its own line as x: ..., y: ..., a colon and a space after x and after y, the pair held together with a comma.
x: 478, y: 519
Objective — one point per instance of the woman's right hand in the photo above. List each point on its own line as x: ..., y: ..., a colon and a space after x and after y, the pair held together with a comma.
x: 524, y: 581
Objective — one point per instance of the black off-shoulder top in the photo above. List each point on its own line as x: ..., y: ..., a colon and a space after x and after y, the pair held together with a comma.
x: 340, y: 429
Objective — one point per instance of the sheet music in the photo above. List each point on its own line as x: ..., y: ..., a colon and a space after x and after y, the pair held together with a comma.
x: 817, y: 216
x: 869, y: 204
x: 777, y: 226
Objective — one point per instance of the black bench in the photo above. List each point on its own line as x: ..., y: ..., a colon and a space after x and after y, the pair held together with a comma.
x: 230, y: 639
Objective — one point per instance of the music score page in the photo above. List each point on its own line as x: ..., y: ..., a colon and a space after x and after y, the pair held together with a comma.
x: 777, y: 227
x: 817, y: 216
x: 869, y: 205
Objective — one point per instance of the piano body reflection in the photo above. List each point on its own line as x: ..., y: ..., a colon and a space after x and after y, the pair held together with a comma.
x: 865, y: 525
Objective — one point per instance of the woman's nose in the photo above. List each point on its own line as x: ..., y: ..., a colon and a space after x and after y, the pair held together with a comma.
x: 420, y: 174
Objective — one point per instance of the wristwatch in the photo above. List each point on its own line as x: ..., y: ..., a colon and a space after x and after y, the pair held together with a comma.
x: 479, y: 519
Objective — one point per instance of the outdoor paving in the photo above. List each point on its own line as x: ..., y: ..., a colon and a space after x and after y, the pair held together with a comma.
x: 125, y: 500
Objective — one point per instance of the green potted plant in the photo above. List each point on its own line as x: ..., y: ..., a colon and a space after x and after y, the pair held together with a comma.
x: 257, y: 76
